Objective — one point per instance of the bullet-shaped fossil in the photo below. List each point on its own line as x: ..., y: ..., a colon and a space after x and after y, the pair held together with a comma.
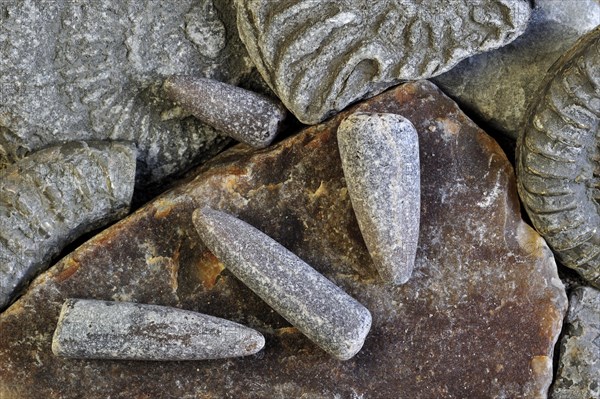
x: 92, y: 329
x: 380, y: 159
x: 246, y: 116
x: 52, y: 197
x: 318, y: 308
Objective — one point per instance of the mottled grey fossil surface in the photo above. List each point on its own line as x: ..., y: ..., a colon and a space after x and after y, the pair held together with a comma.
x: 77, y: 70
x: 309, y: 301
x: 380, y: 158
x: 319, y: 56
x: 249, y: 117
x: 91, y: 329
x: 579, y: 365
x: 52, y: 197
x: 558, y: 159
x: 499, y: 86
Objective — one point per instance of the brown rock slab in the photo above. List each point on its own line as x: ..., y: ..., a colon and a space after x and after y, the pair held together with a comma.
x: 479, y: 318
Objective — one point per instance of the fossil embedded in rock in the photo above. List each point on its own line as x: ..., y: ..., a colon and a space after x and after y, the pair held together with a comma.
x: 309, y: 301
x: 53, y: 196
x: 91, y: 329
x: 558, y: 160
x: 246, y: 116
x: 380, y: 158
x: 319, y: 56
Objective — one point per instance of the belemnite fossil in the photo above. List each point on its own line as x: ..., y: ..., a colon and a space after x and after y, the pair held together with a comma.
x: 52, y: 197
x: 323, y: 312
x: 319, y: 56
x: 380, y: 159
x: 246, y: 116
x: 558, y: 162
x: 93, y: 329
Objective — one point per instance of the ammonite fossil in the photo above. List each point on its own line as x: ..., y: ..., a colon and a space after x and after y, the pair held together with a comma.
x: 73, y: 70
x: 319, y: 56
x: 53, y: 196
x: 558, y: 160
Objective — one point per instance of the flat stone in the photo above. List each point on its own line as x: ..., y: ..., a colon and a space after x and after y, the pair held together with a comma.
x: 303, y: 296
x: 380, y: 159
x: 70, y: 71
x: 579, y: 365
x: 479, y: 318
x: 557, y: 159
x: 91, y: 329
x: 52, y: 197
x: 498, y: 86
x: 321, y: 56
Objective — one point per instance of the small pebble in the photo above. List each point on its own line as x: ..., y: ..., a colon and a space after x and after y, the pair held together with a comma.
x: 246, y: 116
x: 92, y: 329
x: 318, y: 308
x: 380, y: 159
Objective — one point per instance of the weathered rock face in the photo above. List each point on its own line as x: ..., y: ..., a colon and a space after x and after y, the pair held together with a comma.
x: 320, y: 56
x: 558, y: 159
x: 70, y: 70
x: 478, y: 319
x: 499, y: 85
x: 579, y: 369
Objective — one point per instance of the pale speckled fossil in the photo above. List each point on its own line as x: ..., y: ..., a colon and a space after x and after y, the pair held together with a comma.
x: 558, y: 161
x: 53, y: 196
x: 319, y: 56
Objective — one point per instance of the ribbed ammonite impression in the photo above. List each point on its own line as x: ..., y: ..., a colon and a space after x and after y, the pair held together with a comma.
x: 319, y: 56
x: 558, y: 160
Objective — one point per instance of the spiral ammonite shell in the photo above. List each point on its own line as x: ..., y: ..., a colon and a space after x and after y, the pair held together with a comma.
x: 558, y: 159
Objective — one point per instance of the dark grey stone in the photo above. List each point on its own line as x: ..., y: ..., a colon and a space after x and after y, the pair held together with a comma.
x: 380, y: 158
x: 91, y: 329
x: 246, y: 116
x: 76, y: 70
x: 578, y: 374
x: 318, y: 308
x: 52, y: 197
x: 499, y: 86
x: 558, y: 162
x: 320, y: 56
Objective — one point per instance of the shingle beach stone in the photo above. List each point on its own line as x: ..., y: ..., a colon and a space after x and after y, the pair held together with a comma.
x: 578, y: 374
x: 380, y: 158
x: 317, y: 307
x: 478, y: 318
x: 319, y: 56
x: 91, y: 329
x: 53, y: 196
x: 246, y: 116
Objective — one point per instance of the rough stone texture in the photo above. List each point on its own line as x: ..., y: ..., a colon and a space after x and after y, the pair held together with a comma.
x: 558, y: 159
x: 380, y: 159
x: 319, y: 56
x: 246, y: 116
x: 53, y: 196
x: 499, y: 86
x: 579, y: 368
x: 304, y: 297
x: 478, y: 319
x: 76, y: 70
x: 90, y: 329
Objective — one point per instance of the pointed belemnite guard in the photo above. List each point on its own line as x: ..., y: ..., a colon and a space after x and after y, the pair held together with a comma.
x: 92, y: 329
x: 380, y: 159
x: 246, y: 116
x: 318, y: 308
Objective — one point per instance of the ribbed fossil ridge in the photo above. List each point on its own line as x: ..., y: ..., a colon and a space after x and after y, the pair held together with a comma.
x: 558, y: 159
x: 321, y: 55
x: 53, y: 196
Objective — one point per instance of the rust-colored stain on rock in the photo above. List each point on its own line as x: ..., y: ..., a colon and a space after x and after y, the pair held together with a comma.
x: 70, y: 268
x: 478, y: 319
